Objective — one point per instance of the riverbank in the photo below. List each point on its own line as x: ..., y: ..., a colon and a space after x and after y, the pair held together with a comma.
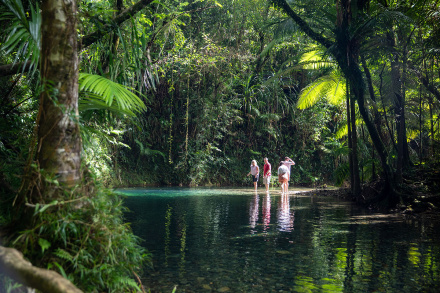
x: 417, y: 202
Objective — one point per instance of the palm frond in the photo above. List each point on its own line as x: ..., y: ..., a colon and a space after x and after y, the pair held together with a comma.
x: 312, y: 93
x: 90, y: 102
x: 113, y: 94
x: 337, y: 88
x: 24, y: 35
x: 315, y: 60
x: 285, y: 27
x: 342, y: 131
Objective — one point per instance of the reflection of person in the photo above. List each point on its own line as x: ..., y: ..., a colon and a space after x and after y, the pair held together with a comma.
x: 253, y: 212
x: 285, y: 216
x: 255, y: 171
x: 267, y: 173
x: 283, y: 176
x: 266, y: 212
x: 288, y: 162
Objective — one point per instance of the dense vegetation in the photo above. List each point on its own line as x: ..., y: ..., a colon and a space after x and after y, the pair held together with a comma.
x: 188, y: 93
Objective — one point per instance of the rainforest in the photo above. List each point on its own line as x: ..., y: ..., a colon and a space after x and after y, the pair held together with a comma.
x: 101, y: 95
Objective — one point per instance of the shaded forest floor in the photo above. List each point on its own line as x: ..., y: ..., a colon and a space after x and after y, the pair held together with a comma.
x: 419, y: 194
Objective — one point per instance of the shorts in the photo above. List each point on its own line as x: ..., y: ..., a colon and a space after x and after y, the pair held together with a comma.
x: 255, y: 178
x: 283, y: 178
x: 266, y: 180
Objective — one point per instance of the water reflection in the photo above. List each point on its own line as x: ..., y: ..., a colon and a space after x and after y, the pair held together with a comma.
x: 285, y: 215
x: 253, y: 212
x: 299, y: 244
x: 266, y: 212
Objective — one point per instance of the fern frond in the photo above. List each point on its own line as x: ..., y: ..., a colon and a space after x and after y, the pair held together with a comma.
x: 125, y: 283
x: 337, y: 88
x: 342, y: 131
x: 113, y: 94
x: 315, y: 60
x: 61, y: 253
x: 311, y: 94
x: 342, y: 173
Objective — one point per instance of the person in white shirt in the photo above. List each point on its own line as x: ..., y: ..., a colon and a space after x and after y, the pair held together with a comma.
x: 283, y: 175
x: 255, y: 171
x: 288, y: 162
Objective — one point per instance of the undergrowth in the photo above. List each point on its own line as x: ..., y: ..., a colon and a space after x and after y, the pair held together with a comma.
x: 85, y: 239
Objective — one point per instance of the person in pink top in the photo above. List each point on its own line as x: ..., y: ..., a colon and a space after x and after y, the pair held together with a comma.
x: 288, y: 162
x: 267, y: 173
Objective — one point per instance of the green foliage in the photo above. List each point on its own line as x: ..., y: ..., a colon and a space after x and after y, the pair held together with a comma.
x: 86, y: 240
x: 23, y: 34
x: 102, y: 93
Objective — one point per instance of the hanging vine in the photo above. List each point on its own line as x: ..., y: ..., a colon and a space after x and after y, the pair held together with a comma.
x: 187, y: 121
x: 170, y: 138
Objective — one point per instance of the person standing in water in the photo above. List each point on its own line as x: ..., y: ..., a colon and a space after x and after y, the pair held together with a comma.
x: 267, y: 173
x: 255, y: 172
x: 283, y: 176
x: 288, y: 162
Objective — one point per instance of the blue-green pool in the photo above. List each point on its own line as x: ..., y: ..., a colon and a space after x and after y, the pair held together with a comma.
x: 236, y: 240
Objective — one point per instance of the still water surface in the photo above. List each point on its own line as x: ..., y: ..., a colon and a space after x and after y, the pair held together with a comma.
x: 236, y: 240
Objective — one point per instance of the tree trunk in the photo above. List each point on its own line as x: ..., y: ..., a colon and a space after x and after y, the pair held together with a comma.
x: 399, y: 108
x: 59, y: 142
x: 356, y: 178
x: 349, y: 137
x: 346, y: 53
x: 358, y: 86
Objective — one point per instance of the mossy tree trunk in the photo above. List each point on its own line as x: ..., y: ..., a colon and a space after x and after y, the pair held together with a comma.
x: 59, y: 141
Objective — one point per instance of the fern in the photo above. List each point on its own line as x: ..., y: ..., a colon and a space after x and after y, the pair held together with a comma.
x: 315, y: 60
x: 63, y: 254
x: 125, y: 282
x: 342, y: 173
x: 113, y: 94
x: 331, y: 86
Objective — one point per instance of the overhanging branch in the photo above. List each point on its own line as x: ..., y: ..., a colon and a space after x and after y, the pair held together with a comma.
x: 302, y: 24
x: 16, y: 267
x: 120, y: 18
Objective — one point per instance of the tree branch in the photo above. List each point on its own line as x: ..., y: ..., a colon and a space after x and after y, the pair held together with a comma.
x: 11, y: 69
x: 15, y: 266
x: 302, y: 24
x: 120, y: 18
x: 429, y: 86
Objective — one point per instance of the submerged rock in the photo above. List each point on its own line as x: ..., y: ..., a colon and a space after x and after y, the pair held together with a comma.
x: 206, y: 287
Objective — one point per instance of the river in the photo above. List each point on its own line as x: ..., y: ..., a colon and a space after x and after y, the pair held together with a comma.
x: 238, y: 240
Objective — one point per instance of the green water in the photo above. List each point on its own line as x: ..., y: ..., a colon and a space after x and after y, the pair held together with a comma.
x: 236, y: 240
